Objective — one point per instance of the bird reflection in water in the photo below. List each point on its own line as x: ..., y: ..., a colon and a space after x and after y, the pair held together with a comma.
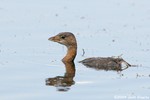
x: 63, y: 83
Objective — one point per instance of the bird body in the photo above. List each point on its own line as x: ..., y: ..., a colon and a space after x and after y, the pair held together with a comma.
x: 107, y: 63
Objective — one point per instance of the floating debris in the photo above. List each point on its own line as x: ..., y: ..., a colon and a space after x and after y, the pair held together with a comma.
x: 83, y: 52
x: 56, y: 15
x: 113, y: 40
x: 104, y: 29
x: 82, y: 17
x: 65, y: 7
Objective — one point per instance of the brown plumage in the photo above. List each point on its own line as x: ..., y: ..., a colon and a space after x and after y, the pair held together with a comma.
x: 106, y: 63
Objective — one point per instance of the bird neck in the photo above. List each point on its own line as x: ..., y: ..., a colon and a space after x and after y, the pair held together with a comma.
x: 71, y: 54
x: 70, y: 69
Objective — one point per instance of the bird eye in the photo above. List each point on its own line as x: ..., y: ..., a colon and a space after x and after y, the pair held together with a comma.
x: 63, y: 37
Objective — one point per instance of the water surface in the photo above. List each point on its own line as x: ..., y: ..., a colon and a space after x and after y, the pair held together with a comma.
x: 103, y: 28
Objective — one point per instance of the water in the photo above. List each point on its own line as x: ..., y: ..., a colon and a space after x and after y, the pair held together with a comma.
x: 103, y: 28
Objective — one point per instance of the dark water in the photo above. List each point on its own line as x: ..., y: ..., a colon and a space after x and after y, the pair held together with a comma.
x: 102, y: 28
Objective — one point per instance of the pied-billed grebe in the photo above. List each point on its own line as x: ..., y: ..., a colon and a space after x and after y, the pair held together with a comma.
x: 69, y: 40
